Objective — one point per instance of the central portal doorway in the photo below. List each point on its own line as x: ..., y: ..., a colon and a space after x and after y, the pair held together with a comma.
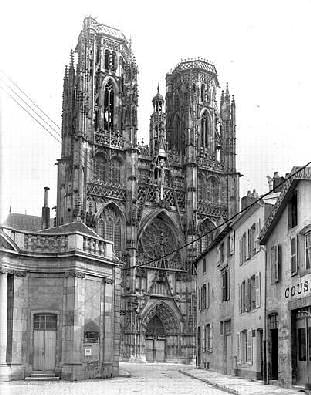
x: 155, y: 340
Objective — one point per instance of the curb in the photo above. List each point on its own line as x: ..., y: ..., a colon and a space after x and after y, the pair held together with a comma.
x: 124, y: 373
x: 215, y: 385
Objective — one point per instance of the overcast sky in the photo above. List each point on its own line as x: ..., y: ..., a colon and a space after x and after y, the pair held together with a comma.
x: 261, y: 48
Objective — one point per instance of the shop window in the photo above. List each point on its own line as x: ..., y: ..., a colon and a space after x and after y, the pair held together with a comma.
x: 292, y: 211
x: 293, y: 255
x: 308, y: 249
x: 91, y: 337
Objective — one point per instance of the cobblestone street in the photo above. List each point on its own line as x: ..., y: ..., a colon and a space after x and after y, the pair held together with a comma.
x: 144, y: 379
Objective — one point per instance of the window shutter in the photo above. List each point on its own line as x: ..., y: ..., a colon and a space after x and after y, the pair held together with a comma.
x: 249, y: 300
x: 199, y: 298
x: 249, y: 346
x: 238, y: 341
x: 228, y: 283
x: 240, y: 299
x: 248, y: 243
x: 293, y: 254
x: 272, y: 264
x: 208, y: 296
x: 231, y: 243
x: 257, y: 242
x: 203, y: 338
x: 278, y: 267
x: 258, y: 289
x: 211, y: 337
x: 241, y: 250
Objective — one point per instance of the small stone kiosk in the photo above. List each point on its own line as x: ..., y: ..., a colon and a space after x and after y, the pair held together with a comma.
x: 59, y: 304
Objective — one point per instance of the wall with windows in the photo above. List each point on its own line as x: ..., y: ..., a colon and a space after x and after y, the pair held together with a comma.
x: 215, y: 279
x: 249, y: 293
x: 288, y: 280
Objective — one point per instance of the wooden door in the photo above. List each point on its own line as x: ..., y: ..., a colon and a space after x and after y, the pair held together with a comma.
x: 160, y: 350
x: 44, y: 341
x: 44, y: 350
x: 228, y: 362
x: 149, y: 350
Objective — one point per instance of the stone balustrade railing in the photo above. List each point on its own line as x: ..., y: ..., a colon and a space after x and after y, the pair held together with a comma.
x: 59, y: 243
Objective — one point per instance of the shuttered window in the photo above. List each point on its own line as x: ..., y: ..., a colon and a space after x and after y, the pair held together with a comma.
x: 275, y: 262
x: 258, y: 289
x: 308, y: 250
x: 293, y: 255
x: 249, y: 352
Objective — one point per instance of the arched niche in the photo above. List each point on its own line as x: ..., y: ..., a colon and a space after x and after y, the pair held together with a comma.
x: 111, y: 226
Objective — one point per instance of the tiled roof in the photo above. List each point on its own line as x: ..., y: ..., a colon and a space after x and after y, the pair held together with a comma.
x: 23, y: 222
x: 71, y: 227
x: 297, y: 173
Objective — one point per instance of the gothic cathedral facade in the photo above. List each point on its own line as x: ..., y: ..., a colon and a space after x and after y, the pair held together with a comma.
x: 158, y: 203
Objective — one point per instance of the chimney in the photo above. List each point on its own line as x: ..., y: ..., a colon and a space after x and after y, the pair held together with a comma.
x: 45, y: 218
x: 277, y: 182
x: 250, y: 198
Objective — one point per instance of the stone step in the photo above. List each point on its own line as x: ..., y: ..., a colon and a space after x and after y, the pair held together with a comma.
x: 42, y: 376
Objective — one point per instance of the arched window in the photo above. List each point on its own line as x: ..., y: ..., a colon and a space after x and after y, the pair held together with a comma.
x: 202, y: 92
x: 212, y: 190
x: 206, y: 138
x: 115, y: 171
x: 201, y: 187
x: 100, y: 168
x: 107, y: 56
x: 114, y: 61
x: 110, y: 226
x: 108, y: 106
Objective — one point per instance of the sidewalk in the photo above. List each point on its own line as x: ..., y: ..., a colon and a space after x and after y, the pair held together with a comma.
x: 236, y: 385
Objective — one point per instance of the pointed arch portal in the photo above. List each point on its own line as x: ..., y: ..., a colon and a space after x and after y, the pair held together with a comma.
x: 161, y: 329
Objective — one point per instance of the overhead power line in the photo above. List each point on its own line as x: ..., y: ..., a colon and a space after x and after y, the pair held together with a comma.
x: 29, y: 113
x: 221, y: 225
x: 31, y: 101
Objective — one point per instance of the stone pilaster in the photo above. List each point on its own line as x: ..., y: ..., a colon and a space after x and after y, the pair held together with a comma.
x: 3, y: 316
x: 73, y: 322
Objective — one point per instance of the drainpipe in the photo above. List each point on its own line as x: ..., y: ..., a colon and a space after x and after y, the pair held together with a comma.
x: 266, y: 365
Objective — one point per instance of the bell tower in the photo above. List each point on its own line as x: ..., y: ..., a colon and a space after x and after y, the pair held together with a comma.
x: 99, y: 117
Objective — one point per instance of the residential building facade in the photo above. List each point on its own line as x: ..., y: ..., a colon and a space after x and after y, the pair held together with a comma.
x: 232, y: 271
x: 249, y: 290
x: 215, y: 314
x: 286, y: 237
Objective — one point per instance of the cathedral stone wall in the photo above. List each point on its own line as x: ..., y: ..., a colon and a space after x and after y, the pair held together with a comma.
x: 149, y: 200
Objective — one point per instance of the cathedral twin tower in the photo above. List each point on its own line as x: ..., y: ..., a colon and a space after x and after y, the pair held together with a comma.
x: 149, y: 200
